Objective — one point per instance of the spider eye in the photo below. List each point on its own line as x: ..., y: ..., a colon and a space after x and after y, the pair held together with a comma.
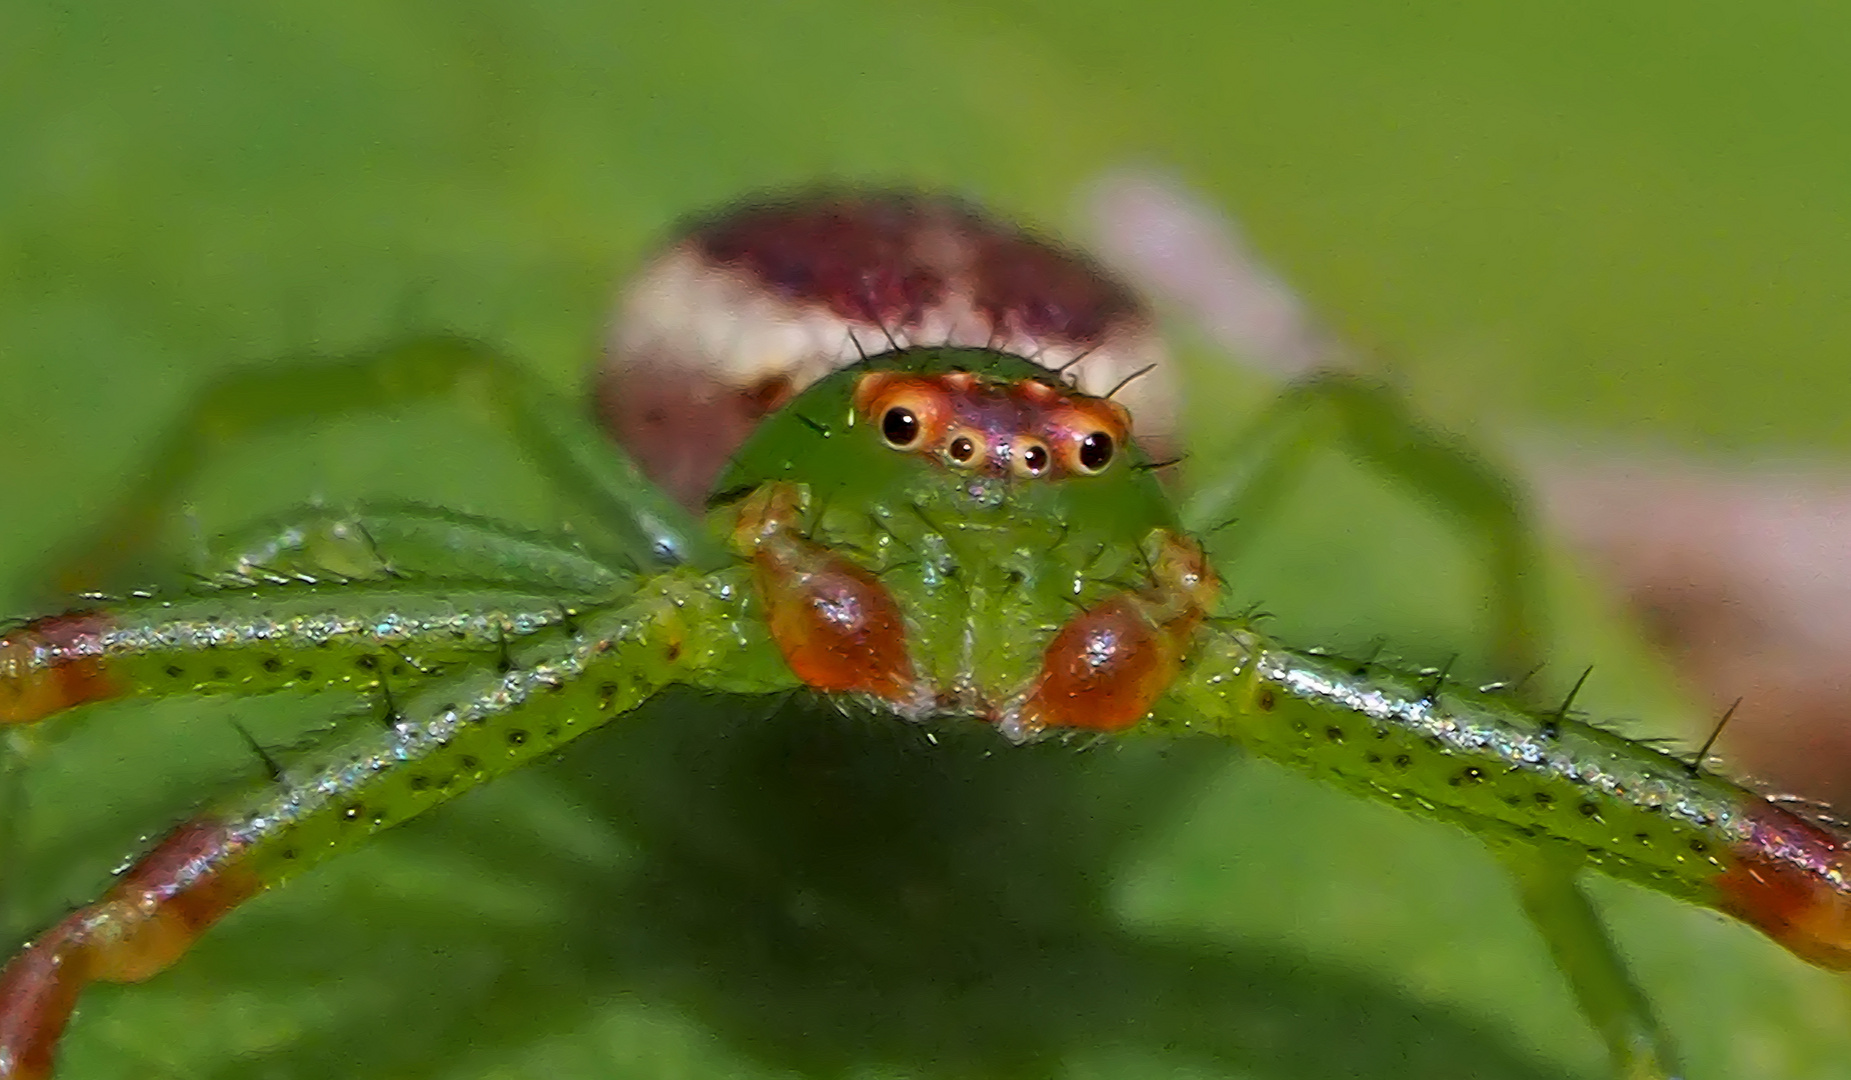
x: 909, y: 411
x: 1030, y: 459
x: 900, y: 427
x: 961, y: 449
x: 1096, y: 452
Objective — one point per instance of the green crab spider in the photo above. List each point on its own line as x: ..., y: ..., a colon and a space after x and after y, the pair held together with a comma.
x: 946, y: 523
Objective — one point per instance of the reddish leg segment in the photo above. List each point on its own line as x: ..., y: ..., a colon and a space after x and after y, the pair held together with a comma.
x: 142, y: 925
x: 1792, y: 880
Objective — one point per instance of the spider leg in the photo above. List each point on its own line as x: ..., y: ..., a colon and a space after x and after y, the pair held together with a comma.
x: 638, y: 521
x: 1585, y: 954
x: 260, y: 639
x: 407, y: 542
x: 1370, y: 422
x: 1551, y: 796
x: 449, y: 737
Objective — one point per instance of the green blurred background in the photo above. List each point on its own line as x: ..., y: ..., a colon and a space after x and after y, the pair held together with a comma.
x: 1625, y: 219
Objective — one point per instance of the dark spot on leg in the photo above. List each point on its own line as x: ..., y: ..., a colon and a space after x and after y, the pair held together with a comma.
x: 273, y: 664
x: 1265, y: 699
x: 1334, y: 733
x: 516, y: 737
x: 305, y: 674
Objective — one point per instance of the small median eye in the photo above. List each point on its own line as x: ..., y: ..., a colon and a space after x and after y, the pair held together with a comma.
x: 900, y: 428
x: 961, y: 449
x: 1030, y: 458
x: 1096, y: 452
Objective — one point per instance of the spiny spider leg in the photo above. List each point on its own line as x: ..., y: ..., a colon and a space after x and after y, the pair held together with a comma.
x: 258, y: 640
x: 1551, y: 794
x: 409, y: 542
x: 451, y: 736
x: 1370, y: 422
x: 545, y: 579
x: 633, y: 517
x: 1612, y: 1000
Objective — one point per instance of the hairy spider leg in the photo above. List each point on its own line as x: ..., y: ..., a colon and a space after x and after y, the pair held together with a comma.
x: 1568, y: 794
x: 452, y: 735
x: 631, y: 517
x: 406, y: 542
x: 1370, y: 422
x: 1584, y: 952
x: 258, y: 640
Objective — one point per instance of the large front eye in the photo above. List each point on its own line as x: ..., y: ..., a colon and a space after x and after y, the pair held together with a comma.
x: 900, y: 427
x: 910, y: 412
x: 1094, y: 453
x: 1088, y: 435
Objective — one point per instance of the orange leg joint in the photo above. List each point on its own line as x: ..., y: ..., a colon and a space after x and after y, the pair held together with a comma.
x: 52, y: 664
x: 1792, y: 880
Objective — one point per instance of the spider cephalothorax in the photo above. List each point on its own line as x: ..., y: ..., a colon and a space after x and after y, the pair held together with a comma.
x: 934, y: 487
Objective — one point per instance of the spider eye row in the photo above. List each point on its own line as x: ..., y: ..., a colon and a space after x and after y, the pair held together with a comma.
x: 958, y: 420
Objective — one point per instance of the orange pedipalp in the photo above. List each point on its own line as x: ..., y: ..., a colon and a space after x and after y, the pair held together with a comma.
x: 1110, y: 664
x: 836, y: 624
x: 1103, y: 670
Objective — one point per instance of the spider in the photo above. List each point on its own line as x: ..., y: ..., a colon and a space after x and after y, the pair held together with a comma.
x: 922, y: 440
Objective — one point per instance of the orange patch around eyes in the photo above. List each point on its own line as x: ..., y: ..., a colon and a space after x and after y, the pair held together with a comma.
x: 926, y: 399
x: 1049, y: 414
